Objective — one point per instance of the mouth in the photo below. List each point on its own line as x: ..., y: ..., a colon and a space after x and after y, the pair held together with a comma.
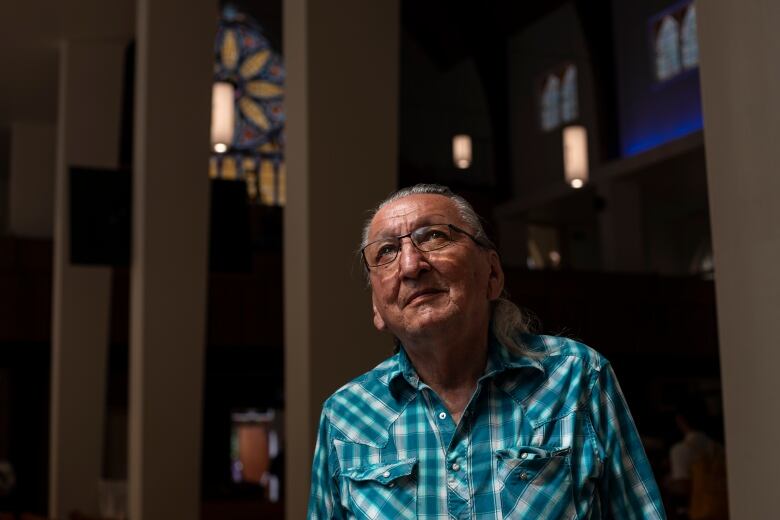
x: 422, y: 295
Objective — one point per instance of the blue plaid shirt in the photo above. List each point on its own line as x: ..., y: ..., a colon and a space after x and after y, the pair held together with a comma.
x: 542, y: 437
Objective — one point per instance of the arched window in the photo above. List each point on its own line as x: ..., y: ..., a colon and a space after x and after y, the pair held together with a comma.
x: 569, y: 104
x: 551, y: 103
x: 690, y: 44
x: 667, y: 48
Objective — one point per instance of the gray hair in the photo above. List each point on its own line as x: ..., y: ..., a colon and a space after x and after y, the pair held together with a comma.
x: 507, y: 320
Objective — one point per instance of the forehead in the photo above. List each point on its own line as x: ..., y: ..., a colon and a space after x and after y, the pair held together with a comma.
x: 405, y: 214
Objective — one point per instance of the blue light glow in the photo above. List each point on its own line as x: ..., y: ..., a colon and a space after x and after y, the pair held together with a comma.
x: 652, y: 137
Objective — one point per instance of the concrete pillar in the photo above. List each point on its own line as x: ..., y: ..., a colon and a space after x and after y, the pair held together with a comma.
x: 87, y: 135
x: 739, y: 46
x: 342, y: 103
x: 174, y: 67
x: 31, y: 180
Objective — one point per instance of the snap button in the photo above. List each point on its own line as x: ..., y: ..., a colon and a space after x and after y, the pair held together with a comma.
x: 455, y: 466
x: 386, y: 474
x: 523, y: 476
x: 442, y: 416
x: 524, y: 455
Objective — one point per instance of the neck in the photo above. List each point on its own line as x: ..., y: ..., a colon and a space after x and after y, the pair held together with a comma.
x: 451, y: 364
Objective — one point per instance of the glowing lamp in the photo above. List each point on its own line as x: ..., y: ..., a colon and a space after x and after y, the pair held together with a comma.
x: 222, y: 115
x: 461, y: 151
x: 575, y: 155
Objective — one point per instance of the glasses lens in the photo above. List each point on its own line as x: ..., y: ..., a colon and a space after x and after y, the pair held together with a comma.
x: 381, y: 252
x: 429, y: 238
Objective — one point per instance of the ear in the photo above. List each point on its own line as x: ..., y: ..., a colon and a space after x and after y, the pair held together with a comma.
x: 379, y: 323
x: 496, y: 277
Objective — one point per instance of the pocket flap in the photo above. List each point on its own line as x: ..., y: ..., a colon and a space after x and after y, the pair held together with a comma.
x: 382, y: 473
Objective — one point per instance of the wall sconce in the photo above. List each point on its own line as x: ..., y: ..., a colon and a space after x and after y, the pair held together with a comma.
x: 222, y: 115
x: 461, y: 151
x: 575, y: 155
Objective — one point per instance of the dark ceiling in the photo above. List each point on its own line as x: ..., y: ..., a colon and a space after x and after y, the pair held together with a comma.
x: 451, y: 31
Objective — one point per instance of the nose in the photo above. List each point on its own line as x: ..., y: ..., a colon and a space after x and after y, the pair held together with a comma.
x: 411, y: 260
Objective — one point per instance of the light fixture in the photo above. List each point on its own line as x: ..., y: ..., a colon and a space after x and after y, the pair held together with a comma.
x: 222, y: 115
x: 461, y: 151
x: 575, y: 155
x: 555, y: 258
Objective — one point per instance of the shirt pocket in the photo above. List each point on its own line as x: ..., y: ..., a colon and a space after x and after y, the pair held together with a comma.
x: 535, y: 482
x: 383, y: 490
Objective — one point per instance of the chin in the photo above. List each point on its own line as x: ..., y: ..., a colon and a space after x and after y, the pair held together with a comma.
x: 428, y: 321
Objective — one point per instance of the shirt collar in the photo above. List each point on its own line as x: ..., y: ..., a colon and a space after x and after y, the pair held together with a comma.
x: 403, y: 376
x: 500, y: 359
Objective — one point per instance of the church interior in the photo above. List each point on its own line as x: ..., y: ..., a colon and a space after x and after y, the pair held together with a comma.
x: 182, y: 188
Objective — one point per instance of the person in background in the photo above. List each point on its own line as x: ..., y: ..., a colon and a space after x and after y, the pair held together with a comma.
x: 7, y: 487
x: 698, y: 466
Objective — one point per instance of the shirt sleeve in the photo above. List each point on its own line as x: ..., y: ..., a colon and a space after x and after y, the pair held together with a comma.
x: 628, y: 488
x: 324, y: 501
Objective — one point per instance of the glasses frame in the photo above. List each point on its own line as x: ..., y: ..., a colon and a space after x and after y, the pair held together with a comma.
x: 409, y: 236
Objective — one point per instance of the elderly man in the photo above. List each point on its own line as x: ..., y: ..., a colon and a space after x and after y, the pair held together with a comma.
x: 473, y: 417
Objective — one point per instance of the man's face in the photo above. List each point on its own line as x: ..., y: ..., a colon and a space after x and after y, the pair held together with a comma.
x: 424, y: 293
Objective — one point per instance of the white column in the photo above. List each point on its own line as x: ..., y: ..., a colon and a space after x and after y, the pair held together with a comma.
x: 740, y: 83
x: 87, y: 135
x: 341, y: 102
x: 174, y: 67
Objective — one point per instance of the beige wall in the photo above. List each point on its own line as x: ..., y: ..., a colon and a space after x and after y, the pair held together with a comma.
x: 740, y: 81
x: 342, y: 102
x: 31, y: 180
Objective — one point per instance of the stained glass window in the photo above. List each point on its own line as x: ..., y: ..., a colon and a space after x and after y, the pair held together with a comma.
x: 245, y: 59
x: 667, y: 48
x: 675, y: 41
x: 551, y: 99
x: 267, y: 182
x: 690, y: 43
x: 569, y: 102
x: 558, y: 97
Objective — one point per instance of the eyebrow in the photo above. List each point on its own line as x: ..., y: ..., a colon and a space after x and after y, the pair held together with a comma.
x: 427, y: 220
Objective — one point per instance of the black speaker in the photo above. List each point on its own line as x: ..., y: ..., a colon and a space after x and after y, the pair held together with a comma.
x: 100, y: 216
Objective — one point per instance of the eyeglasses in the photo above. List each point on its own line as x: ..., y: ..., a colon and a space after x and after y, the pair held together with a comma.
x: 425, y: 239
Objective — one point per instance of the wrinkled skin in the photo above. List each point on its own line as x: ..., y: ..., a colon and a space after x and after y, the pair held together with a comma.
x: 424, y: 297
